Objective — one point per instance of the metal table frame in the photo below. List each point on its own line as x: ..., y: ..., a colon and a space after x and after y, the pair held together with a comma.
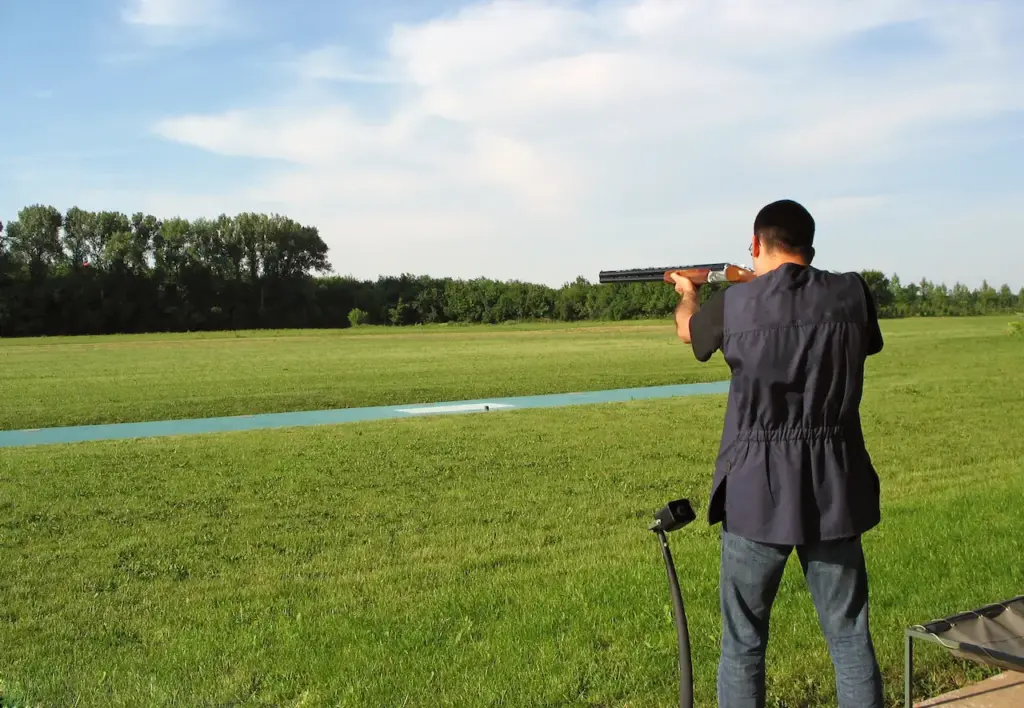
x: 932, y: 631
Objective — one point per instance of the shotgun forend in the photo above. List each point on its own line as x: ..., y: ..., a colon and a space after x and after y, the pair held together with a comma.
x: 699, y: 274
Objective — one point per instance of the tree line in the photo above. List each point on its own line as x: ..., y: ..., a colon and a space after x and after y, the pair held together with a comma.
x: 82, y: 272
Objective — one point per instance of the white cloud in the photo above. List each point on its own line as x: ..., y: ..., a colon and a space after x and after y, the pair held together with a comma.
x: 335, y: 63
x: 869, y: 130
x: 176, y: 14
x: 324, y: 135
x: 639, y: 129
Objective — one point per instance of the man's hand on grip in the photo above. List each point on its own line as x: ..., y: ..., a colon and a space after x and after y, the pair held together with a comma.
x: 684, y: 286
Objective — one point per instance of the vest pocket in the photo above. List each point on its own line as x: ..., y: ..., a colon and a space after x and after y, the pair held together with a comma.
x: 750, y: 491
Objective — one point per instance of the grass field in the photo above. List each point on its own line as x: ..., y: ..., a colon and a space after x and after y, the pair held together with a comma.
x: 472, y: 560
x: 136, y: 378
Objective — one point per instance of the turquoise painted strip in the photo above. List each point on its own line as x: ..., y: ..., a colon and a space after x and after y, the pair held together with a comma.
x: 197, y: 426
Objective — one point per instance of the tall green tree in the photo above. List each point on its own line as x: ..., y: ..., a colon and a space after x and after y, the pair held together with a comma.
x: 34, y: 239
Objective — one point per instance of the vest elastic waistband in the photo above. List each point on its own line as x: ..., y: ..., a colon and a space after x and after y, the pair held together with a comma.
x: 778, y: 434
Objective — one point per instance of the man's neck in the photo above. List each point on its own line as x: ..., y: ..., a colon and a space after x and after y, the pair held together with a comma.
x: 775, y: 262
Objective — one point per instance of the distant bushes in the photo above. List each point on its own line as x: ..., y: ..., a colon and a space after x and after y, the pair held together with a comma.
x: 83, y: 272
x: 358, y: 317
x: 1017, y: 326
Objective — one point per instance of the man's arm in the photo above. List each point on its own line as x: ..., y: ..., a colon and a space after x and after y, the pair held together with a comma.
x: 875, y: 341
x: 689, y: 305
x: 701, y: 327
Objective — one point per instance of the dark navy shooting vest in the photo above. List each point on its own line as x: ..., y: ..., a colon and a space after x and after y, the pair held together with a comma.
x: 792, y: 467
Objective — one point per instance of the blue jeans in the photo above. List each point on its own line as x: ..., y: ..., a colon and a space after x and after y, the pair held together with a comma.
x: 838, y: 582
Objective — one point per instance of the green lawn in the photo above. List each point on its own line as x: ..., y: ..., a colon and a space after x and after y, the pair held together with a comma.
x: 472, y: 560
x: 86, y: 380
x: 78, y: 381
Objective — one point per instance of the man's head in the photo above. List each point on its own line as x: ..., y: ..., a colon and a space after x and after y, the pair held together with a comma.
x: 783, y: 233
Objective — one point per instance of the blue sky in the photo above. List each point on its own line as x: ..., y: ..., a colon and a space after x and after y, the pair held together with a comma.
x: 536, y: 140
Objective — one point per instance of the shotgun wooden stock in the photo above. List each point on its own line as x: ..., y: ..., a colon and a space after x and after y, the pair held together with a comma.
x: 699, y: 274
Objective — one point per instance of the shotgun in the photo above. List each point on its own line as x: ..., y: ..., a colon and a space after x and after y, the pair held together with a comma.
x: 699, y: 274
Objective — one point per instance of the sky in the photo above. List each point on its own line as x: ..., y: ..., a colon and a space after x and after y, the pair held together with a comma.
x: 535, y: 140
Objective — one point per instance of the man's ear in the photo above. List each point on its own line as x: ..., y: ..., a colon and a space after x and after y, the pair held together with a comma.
x: 810, y: 254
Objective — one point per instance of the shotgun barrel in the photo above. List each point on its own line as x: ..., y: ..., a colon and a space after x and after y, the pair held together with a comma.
x: 699, y: 274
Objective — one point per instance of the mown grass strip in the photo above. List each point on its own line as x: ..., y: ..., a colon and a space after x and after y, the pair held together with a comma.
x: 51, y: 382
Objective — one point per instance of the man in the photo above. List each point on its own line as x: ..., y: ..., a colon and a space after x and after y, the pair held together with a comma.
x: 792, y: 470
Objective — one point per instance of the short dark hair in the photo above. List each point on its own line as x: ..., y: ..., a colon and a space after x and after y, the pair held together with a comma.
x: 787, y: 226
